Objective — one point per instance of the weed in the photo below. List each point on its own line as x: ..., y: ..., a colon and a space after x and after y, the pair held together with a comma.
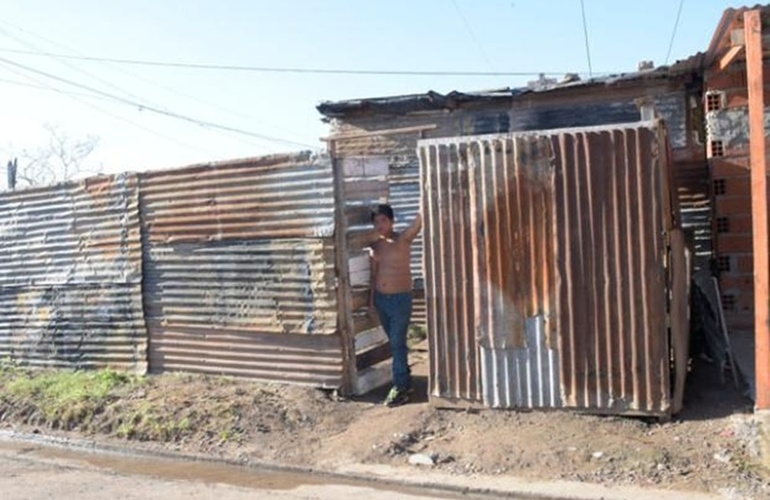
x: 66, y: 399
x: 416, y: 334
x: 231, y: 434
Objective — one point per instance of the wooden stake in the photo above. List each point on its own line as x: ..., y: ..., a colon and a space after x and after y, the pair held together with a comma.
x: 754, y: 75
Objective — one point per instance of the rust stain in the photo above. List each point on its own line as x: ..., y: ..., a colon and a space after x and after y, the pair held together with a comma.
x: 568, y: 264
x: 240, y: 269
x: 70, y: 275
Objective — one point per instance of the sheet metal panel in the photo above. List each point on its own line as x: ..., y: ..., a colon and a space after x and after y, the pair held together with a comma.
x: 449, y: 272
x: 240, y: 269
x: 271, y: 197
x: 613, y: 195
x: 563, y: 235
x: 70, y: 275
x: 525, y: 377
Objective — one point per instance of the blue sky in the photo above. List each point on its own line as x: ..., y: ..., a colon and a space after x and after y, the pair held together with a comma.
x: 441, y: 35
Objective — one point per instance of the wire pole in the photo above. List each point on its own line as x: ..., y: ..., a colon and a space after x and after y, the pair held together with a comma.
x: 585, y: 34
x: 673, y: 34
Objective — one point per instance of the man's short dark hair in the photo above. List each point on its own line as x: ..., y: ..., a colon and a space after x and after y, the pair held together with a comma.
x: 382, y: 209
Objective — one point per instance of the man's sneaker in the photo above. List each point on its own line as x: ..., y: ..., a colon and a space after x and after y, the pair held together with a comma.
x: 396, y: 397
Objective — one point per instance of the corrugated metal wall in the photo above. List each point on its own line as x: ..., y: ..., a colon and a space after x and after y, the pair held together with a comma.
x: 545, y: 268
x: 613, y: 198
x: 240, y: 269
x: 70, y: 275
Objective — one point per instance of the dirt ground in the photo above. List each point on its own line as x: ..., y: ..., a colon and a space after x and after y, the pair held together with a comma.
x: 712, y: 446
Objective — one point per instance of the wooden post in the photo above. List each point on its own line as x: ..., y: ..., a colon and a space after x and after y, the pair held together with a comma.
x: 756, y: 87
x: 344, y: 316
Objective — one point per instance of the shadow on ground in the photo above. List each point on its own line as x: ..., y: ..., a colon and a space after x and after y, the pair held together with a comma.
x: 711, y: 394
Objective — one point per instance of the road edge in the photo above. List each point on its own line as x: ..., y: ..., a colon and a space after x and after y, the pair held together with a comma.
x: 417, y: 477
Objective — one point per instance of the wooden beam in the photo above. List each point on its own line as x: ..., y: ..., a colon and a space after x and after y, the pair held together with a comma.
x: 344, y: 313
x: 388, y: 131
x: 728, y: 58
x: 757, y: 153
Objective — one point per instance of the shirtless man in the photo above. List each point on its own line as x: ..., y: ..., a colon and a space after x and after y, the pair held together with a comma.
x: 391, y: 294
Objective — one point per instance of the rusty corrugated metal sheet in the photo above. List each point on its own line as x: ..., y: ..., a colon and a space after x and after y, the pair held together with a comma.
x: 240, y: 269
x: 449, y: 271
x: 545, y: 270
x: 70, y: 275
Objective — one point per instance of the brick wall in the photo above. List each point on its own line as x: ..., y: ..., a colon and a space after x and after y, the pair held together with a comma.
x: 726, y: 108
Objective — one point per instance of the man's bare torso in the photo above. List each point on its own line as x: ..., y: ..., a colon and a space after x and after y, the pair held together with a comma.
x: 392, y: 256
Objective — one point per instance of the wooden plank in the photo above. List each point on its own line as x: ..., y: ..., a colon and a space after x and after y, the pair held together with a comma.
x: 373, y: 377
x: 373, y: 356
x: 374, y: 133
x: 366, y: 190
x: 754, y: 76
x: 376, y: 166
x: 680, y: 321
x: 363, y: 321
x: 359, y: 297
x: 358, y: 215
x: 369, y: 338
x: 344, y: 313
x: 730, y: 56
x: 352, y: 166
x: 359, y: 269
x: 357, y: 241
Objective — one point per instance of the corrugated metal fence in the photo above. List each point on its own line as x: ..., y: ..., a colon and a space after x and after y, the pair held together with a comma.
x: 546, y: 272
x: 240, y: 269
x: 237, y: 260
x: 71, y: 274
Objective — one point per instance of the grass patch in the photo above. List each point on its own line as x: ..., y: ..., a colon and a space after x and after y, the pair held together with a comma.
x: 147, y: 423
x: 63, y: 399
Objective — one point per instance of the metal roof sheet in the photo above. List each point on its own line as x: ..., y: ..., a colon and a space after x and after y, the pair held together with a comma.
x: 432, y: 100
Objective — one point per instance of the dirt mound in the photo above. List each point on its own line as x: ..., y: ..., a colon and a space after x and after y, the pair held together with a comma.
x: 711, y: 447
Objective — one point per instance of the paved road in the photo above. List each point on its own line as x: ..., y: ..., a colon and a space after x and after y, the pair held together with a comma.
x: 37, y: 472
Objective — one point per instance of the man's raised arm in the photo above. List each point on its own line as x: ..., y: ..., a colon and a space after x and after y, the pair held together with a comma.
x: 412, y: 231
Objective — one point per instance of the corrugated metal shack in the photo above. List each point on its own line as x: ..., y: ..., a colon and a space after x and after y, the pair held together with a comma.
x: 240, y: 270
x: 379, y: 136
x: 226, y: 268
x: 548, y: 269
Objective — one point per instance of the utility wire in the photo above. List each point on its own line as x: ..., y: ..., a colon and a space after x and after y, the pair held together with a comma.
x: 50, y: 89
x: 145, y: 102
x: 673, y: 34
x: 35, y: 48
x: 145, y: 80
x: 585, y: 34
x: 77, y: 97
x: 153, y: 109
x: 474, y: 38
x: 272, y: 69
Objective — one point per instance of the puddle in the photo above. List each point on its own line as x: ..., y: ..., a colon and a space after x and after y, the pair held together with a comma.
x: 205, y: 472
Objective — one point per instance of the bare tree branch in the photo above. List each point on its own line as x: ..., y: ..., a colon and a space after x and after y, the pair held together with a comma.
x: 63, y: 159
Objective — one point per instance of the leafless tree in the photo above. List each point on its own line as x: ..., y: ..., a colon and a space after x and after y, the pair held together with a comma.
x: 63, y: 159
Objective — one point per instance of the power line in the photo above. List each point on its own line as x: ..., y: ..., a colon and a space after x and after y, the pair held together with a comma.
x: 50, y: 89
x: 76, y: 97
x: 144, y: 101
x: 673, y: 34
x: 153, y: 109
x: 473, y: 37
x: 272, y: 69
x: 34, y: 48
x: 168, y: 89
x: 585, y: 34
